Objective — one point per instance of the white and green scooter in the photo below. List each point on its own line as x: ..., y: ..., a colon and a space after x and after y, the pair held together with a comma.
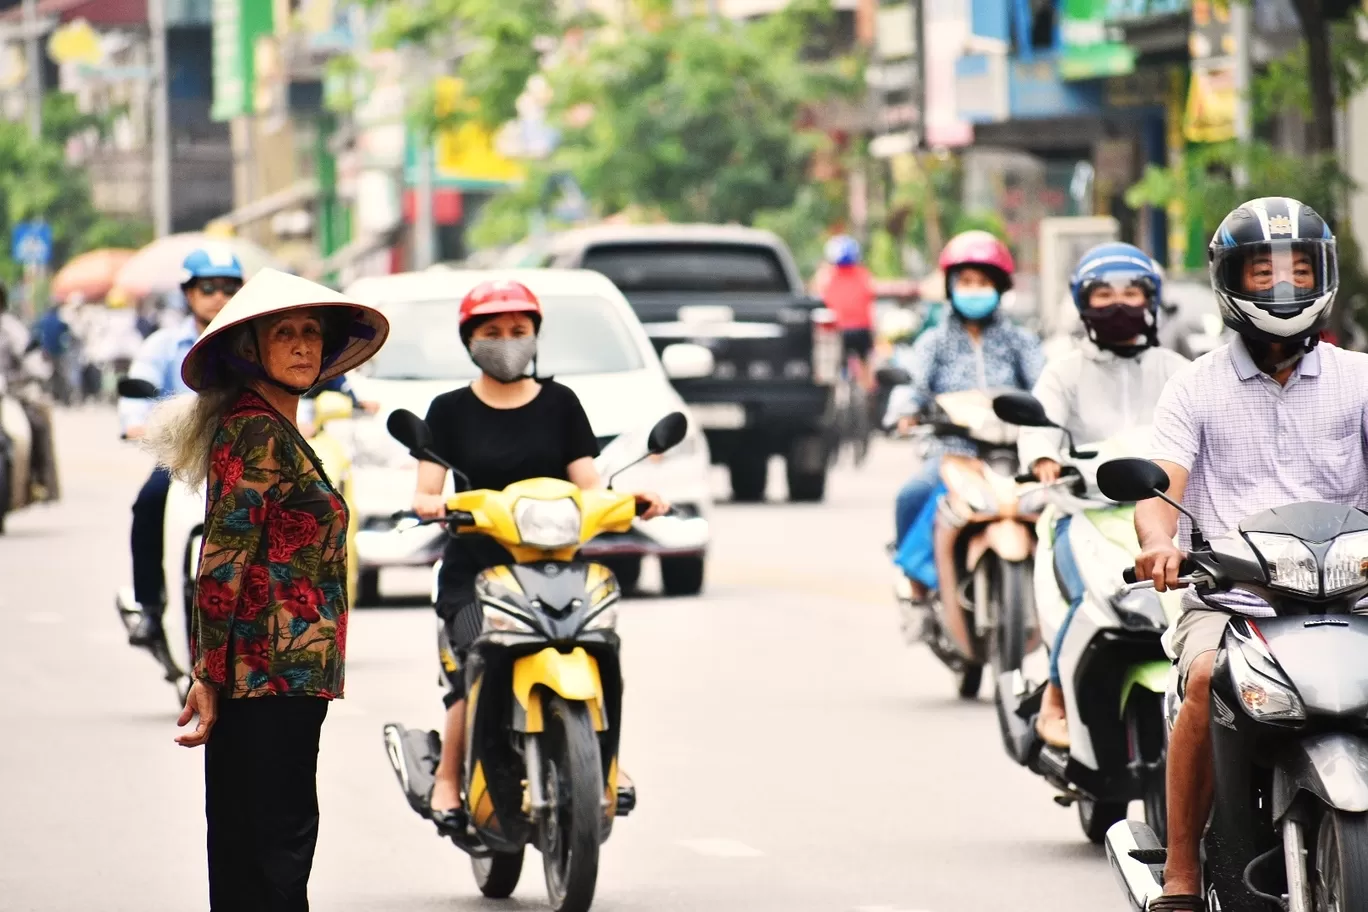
x: 1114, y: 669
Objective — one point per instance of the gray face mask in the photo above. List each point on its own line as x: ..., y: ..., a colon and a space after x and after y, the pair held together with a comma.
x: 505, y: 360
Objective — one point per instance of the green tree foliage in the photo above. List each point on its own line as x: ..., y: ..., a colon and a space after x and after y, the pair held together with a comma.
x: 37, y: 182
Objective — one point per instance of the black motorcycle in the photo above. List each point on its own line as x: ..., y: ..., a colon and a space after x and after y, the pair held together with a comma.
x: 1289, y: 712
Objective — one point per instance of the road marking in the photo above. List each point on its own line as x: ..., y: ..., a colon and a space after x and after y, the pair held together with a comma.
x: 721, y: 848
x: 44, y: 617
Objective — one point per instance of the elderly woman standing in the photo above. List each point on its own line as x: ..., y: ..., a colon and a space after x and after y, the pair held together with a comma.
x: 269, y: 620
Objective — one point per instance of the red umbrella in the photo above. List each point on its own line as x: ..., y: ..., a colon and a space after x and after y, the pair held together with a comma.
x: 91, y: 274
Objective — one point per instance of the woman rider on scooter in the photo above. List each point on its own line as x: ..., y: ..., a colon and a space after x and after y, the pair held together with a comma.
x: 1111, y: 382
x: 506, y: 426
x: 974, y: 349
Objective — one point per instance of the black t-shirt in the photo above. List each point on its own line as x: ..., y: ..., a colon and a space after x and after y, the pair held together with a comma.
x: 496, y: 447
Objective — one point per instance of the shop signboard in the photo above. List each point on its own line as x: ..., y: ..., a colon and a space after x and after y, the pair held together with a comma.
x: 1091, y: 48
x: 236, y: 27
x: 1035, y: 89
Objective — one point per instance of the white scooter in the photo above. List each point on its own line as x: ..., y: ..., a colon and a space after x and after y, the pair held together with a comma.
x: 184, y: 530
x: 1114, y: 670
x: 18, y: 474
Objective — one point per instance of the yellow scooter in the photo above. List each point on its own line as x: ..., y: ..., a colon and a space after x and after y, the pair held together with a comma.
x: 543, y: 679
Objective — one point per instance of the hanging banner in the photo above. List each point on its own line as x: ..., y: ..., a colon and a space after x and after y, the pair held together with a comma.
x: 1089, y: 49
x: 1210, y: 113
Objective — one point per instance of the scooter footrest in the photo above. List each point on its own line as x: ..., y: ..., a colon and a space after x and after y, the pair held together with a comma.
x: 626, y: 800
x: 1149, y: 856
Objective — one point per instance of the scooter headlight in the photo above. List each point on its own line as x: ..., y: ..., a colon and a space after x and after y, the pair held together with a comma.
x: 1291, y: 565
x: 1346, y: 563
x: 548, y: 524
x: 603, y: 619
x: 497, y: 620
x: 1263, y: 688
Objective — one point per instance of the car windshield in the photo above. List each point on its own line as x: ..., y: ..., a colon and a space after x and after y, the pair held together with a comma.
x: 579, y: 335
x: 688, y: 267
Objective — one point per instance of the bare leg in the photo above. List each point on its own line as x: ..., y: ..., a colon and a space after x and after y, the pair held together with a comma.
x: 1190, y: 781
x: 446, y: 790
x: 949, y: 589
x: 1052, y: 724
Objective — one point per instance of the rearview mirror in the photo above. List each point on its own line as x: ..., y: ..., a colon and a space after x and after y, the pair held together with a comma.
x: 687, y: 361
x: 411, y: 431
x: 133, y: 388
x: 668, y: 433
x: 331, y: 406
x: 1131, y: 480
x: 892, y: 376
x: 1022, y: 409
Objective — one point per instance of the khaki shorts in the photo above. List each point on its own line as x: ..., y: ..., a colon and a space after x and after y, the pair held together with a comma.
x: 1198, y: 630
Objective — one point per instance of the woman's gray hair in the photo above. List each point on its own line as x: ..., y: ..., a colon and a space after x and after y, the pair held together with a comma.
x: 181, y: 431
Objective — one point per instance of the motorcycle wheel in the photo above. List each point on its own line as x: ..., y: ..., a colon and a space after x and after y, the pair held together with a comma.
x: 497, y: 876
x: 1013, y: 592
x: 1097, y: 817
x: 1146, y: 727
x: 1339, y: 869
x: 571, y: 830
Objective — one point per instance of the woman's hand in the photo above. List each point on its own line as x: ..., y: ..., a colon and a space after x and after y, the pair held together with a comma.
x: 429, y: 506
x: 905, y: 424
x: 659, y: 506
x: 202, y: 701
x: 1046, y: 470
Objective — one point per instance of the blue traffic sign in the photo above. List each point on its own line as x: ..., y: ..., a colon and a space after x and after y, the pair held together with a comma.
x: 31, y: 243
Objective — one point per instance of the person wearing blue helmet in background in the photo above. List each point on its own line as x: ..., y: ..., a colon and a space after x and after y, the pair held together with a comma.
x: 209, y: 277
x: 1110, y: 383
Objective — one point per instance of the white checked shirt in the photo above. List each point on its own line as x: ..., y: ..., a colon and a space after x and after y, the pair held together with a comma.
x: 1251, y: 445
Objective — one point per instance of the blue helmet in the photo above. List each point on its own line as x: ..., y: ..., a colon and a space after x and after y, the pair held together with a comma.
x: 212, y: 261
x: 843, y: 250
x: 1114, y: 263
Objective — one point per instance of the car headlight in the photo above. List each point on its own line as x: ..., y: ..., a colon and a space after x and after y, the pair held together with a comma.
x: 1291, y: 565
x: 1263, y: 687
x: 496, y: 620
x: 548, y: 524
x: 1345, y: 562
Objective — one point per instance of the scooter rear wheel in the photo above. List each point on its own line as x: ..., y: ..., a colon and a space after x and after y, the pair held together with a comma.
x: 497, y: 875
x: 1096, y: 817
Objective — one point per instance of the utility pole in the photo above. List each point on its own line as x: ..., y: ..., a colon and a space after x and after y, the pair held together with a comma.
x: 424, y: 225
x: 35, y: 69
x: 1241, y: 30
x: 161, y: 120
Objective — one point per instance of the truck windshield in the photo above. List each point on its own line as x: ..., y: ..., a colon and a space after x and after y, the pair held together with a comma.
x: 689, y: 267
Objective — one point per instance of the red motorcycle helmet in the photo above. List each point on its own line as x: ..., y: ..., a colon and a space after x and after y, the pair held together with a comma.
x: 980, y: 250
x: 497, y: 296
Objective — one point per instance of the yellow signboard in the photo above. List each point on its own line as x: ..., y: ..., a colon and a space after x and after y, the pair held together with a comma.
x: 75, y: 43
x: 467, y: 152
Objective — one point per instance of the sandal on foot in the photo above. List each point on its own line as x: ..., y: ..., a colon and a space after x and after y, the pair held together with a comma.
x: 1177, y: 902
x: 1053, y: 731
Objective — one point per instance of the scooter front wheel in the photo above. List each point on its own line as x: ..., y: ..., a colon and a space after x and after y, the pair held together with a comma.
x: 497, y: 875
x: 572, y: 827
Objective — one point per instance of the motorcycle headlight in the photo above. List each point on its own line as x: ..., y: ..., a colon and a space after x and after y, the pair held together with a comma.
x: 548, y: 524
x: 496, y: 620
x: 1263, y: 688
x: 1291, y: 565
x: 604, y: 619
x: 1345, y: 562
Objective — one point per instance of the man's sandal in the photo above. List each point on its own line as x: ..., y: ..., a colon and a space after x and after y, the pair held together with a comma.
x: 1177, y: 902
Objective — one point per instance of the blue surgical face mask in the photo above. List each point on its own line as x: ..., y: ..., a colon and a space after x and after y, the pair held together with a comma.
x: 974, y: 304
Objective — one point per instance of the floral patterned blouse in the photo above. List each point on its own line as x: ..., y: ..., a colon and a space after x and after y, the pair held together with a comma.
x: 270, y: 609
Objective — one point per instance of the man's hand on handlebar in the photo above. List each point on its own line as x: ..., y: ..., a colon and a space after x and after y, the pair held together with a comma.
x: 1046, y: 470
x: 650, y: 505
x: 906, y: 423
x: 429, y: 506
x: 1162, y: 564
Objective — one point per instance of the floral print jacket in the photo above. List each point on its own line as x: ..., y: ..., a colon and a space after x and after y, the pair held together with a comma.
x: 270, y: 609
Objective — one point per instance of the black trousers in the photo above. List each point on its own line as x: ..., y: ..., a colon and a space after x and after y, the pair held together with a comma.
x: 261, y: 802
x: 148, y: 538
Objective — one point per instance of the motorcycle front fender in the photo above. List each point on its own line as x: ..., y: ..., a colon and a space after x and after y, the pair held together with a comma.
x: 573, y: 675
x: 1332, y: 767
x: 1152, y: 676
x: 1009, y: 539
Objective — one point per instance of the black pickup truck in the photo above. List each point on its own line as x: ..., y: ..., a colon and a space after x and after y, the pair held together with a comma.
x: 738, y: 292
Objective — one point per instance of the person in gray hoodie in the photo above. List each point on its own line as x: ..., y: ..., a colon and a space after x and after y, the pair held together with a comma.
x: 1110, y: 383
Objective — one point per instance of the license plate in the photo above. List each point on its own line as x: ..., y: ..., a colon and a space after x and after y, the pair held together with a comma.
x: 720, y: 415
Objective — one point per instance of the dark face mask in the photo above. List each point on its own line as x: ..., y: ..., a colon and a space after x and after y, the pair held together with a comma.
x: 1116, y: 326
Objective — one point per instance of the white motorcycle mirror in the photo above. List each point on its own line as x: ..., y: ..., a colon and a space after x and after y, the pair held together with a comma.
x: 1025, y: 410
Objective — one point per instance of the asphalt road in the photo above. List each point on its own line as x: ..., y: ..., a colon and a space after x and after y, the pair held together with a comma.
x: 791, y: 753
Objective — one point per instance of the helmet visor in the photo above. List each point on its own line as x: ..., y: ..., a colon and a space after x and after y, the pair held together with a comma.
x: 1278, y: 275
x: 1118, y: 286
